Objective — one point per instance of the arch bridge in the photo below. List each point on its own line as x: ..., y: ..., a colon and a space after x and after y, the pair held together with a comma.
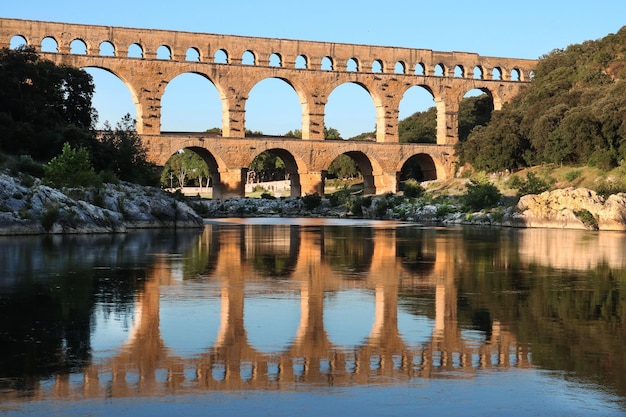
x: 235, y: 64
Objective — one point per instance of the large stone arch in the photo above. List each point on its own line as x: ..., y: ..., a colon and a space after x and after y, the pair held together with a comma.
x: 129, y: 85
x: 297, y: 87
x: 220, y: 91
x: 370, y: 89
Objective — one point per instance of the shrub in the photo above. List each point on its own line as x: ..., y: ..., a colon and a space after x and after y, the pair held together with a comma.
x: 573, y: 174
x: 480, y: 194
x: 312, y: 201
x: 412, y: 188
x: 49, y: 216
x: 357, y: 205
x: 587, y: 219
x: 26, y: 165
x: 533, y: 185
x: 72, y: 168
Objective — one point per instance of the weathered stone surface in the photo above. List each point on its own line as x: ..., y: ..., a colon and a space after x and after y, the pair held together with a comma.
x: 114, y: 208
x: 558, y: 208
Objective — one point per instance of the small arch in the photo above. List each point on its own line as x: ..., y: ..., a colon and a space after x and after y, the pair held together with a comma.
x: 107, y: 49
x: 78, y: 47
x: 515, y: 74
x: 478, y: 73
x: 420, y: 167
x: 192, y: 54
x: 276, y: 60
x: 496, y: 74
x: 531, y: 75
x: 164, y: 52
x: 459, y: 71
x: 18, y: 41
x: 420, y: 69
x: 399, y: 67
x: 135, y: 51
x: 327, y: 64
x: 221, y: 57
x: 287, y: 170
x: 49, y: 44
x: 352, y: 65
x: 440, y: 70
x: 364, y: 165
x: 248, y: 58
x: 302, y: 62
x: 377, y: 66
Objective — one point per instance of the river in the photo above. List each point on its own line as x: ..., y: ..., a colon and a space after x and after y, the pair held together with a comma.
x: 311, y: 317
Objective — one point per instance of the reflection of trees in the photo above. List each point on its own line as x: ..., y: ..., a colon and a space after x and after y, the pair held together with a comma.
x: 574, y: 320
x: 201, y: 259
x: 415, y: 247
x: 348, y: 249
x: 273, y: 252
x: 57, y: 282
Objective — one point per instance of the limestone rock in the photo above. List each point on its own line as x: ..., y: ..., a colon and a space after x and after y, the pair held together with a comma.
x: 113, y: 208
x: 559, y: 208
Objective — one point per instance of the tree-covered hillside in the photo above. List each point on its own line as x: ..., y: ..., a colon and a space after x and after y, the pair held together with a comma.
x: 574, y: 112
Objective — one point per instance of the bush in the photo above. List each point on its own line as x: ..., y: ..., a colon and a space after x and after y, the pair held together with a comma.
x: 339, y: 197
x: 412, y: 188
x: 357, y: 205
x: 26, y: 165
x: 480, y: 194
x: 587, y: 219
x: 573, y: 174
x: 312, y: 201
x: 72, y: 168
x: 533, y: 185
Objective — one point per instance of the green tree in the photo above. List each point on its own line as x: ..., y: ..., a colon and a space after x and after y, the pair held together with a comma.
x: 121, y: 151
x: 344, y: 167
x: 574, y: 112
x: 39, y: 101
x: 185, y: 165
x: 72, y: 168
x: 268, y: 167
x: 331, y: 133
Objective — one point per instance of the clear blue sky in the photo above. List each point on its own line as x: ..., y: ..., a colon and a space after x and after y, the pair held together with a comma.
x: 523, y: 29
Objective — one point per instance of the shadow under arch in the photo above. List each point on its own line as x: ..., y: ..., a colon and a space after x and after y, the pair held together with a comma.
x: 421, y: 167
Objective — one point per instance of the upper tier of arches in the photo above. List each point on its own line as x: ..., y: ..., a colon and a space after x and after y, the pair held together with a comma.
x: 229, y: 49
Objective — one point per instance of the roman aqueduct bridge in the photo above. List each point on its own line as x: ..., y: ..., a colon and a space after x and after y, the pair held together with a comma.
x: 146, y: 60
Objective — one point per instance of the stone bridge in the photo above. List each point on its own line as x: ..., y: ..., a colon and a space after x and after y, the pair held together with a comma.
x: 146, y: 60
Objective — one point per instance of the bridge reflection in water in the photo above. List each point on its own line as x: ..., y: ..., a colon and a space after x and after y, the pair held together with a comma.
x: 385, y: 265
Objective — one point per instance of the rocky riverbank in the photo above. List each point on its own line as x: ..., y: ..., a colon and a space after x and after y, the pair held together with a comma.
x: 29, y: 207
x: 34, y: 208
x: 570, y: 208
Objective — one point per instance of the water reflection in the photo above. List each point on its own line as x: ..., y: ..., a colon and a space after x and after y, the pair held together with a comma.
x: 247, y: 305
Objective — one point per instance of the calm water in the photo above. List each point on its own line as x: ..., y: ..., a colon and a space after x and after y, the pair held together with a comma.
x: 283, y: 317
